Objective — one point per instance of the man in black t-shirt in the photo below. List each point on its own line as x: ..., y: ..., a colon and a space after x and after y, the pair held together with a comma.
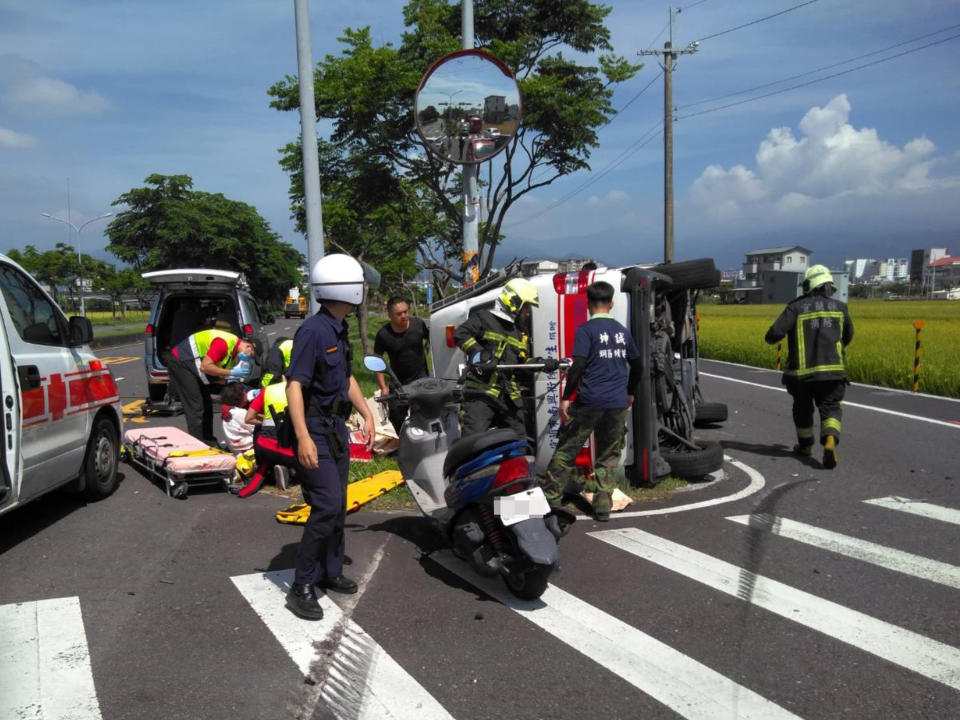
x: 404, y: 340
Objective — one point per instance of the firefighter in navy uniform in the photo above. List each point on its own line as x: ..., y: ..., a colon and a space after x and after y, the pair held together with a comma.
x: 502, y: 332
x: 818, y: 329
x: 320, y: 391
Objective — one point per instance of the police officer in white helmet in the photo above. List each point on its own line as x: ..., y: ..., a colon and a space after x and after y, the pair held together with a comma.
x: 320, y: 393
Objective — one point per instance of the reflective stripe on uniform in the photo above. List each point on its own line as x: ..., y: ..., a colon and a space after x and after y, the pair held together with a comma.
x: 831, y: 424
x: 802, y: 369
x: 804, y: 433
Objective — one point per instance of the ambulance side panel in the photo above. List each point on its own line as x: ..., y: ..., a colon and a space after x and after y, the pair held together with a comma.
x: 53, y: 436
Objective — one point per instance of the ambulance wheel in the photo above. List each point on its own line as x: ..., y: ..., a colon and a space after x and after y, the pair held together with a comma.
x: 710, y: 414
x: 691, y: 274
x: 692, y: 464
x: 101, y: 461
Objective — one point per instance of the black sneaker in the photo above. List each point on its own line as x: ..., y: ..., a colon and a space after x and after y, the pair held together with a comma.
x: 339, y: 584
x: 302, y: 602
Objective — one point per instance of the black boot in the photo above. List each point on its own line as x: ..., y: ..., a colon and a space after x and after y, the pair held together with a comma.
x: 339, y: 584
x: 302, y: 602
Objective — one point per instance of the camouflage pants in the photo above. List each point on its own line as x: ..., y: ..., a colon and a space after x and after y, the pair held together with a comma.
x: 609, y: 428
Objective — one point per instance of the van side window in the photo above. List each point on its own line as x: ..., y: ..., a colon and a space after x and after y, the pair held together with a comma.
x: 36, y: 319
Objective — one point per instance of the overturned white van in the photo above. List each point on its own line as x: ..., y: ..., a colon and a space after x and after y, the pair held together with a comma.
x: 658, y: 304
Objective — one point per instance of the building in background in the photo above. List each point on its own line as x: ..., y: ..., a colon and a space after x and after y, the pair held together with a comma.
x: 775, y: 275
x: 944, y: 276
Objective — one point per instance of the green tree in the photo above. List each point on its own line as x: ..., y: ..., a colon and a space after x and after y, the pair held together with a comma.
x: 118, y: 284
x: 169, y: 225
x: 368, y: 93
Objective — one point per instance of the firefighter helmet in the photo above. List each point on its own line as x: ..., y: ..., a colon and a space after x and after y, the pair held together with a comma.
x: 517, y: 293
x: 338, y: 277
x: 815, y: 276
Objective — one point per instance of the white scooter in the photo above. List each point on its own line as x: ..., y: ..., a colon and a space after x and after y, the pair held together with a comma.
x: 481, y: 490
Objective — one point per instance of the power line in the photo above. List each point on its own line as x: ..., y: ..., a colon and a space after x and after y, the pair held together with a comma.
x: 820, y: 79
x: 693, y: 5
x: 630, y: 101
x: 758, y: 20
x: 820, y: 69
x: 662, y: 30
x: 633, y: 148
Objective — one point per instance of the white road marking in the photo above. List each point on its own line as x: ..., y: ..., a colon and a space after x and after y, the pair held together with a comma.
x: 684, y: 685
x: 922, y: 655
x: 878, y: 388
x: 756, y: 484
x: 917, y: 507
x: 880, y: 555
x: 363, y: 680
x: 45, y: 671
x: 846, y: 403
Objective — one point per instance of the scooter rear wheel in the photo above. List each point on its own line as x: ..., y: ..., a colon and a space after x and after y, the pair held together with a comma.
x: 528, y: 584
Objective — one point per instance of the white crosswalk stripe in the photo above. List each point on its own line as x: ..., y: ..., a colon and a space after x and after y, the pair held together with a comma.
x: 686, y: 686
x: 45, y: 671
x: 880, y: 555
x: 917, y: 507
x: 925, y: 656
x: 360, y: 680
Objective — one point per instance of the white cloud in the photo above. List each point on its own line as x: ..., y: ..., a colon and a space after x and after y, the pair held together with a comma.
x: 46, y: 95
x: 27, y: 90
x: 15, y: 140
x: 829, y: 161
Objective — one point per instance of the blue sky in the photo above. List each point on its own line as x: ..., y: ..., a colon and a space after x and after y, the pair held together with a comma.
x: 103, y: 93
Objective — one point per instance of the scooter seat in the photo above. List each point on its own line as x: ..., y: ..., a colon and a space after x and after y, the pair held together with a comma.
x: 466, y: 447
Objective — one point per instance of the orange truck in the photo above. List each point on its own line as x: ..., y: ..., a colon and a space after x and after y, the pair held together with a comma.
x: 295, y: 305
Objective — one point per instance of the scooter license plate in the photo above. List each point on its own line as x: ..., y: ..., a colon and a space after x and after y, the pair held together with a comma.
x: 512, y: 509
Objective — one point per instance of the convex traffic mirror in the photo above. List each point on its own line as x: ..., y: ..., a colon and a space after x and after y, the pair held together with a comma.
x: 467, y: 107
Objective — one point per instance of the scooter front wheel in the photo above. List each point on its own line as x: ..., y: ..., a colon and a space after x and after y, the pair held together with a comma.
x: 529, y: 583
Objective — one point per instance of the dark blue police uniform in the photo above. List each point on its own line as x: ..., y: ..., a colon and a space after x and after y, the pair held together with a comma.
x: 320, y: 362
x: 606, y: 367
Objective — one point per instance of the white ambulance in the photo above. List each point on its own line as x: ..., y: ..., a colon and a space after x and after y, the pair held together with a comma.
x: 657, y: 304
x: 62, y: 420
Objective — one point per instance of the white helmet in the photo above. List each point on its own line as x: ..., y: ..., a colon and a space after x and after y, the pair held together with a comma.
x: 338, y: 277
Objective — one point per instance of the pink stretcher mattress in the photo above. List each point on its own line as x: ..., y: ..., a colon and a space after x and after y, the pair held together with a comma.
x: 156, y: 443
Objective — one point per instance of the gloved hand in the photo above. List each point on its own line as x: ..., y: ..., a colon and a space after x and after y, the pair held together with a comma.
x: 550, y: 364
x: 241, y: 370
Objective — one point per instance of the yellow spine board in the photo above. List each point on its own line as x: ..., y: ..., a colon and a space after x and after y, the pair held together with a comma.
x: 359, y: 493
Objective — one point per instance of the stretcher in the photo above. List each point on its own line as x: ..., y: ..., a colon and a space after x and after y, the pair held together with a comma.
x: 359, y: 493
x: 177, y: 460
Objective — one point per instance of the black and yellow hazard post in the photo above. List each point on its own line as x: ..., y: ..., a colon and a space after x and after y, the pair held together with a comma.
x: 918, y: 327
x: 779, y: 356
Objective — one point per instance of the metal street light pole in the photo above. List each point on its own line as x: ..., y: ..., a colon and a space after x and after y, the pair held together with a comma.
x: 77, y: 230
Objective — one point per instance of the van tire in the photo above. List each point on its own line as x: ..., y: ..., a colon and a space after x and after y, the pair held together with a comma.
x: 710, y: 414
x: 101, y: 460
x: 687, y: 463
x: 691, y: 274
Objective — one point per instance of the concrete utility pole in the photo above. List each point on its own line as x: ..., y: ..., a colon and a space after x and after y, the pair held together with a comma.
x: 471, y: 196
x: 308, y: 142
x: 669, y: 57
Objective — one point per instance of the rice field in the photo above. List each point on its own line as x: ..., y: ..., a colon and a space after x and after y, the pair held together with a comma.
x: 882, y: 350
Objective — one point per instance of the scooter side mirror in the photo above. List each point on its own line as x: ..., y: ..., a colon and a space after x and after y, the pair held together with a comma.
x: 374, y: 363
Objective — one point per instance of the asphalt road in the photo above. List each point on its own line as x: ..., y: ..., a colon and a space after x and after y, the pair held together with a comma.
x: 782, y: 590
